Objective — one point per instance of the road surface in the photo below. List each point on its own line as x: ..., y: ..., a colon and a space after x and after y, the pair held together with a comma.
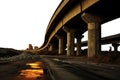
x: 68, y: 68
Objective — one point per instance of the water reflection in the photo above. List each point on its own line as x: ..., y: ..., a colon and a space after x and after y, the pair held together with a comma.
x: 35, y: 65
x: 35, y: 72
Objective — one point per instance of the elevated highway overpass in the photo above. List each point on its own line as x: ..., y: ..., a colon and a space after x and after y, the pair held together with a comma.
x: 106, y: 40
x: 74, y: 17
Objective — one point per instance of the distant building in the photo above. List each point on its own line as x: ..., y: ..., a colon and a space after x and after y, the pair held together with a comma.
x: 30, y: 47
x: 35, y: 47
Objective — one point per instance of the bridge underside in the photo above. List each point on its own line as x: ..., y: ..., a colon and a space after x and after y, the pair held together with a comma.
x: 89, y: 19
x: 106, y: 8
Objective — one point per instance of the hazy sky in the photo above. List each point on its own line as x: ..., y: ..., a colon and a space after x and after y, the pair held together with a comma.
x: 24, y: 22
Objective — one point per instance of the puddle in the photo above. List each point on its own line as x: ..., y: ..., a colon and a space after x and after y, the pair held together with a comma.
x: 34, y: 72
x: 35, y: 65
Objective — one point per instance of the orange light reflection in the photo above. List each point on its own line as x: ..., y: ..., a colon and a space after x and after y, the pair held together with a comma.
x: 35, y: 65
x: 29, y: 73
x: 33, y: 73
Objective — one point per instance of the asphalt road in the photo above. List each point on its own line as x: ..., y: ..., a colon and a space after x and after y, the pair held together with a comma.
x: 68, y: 68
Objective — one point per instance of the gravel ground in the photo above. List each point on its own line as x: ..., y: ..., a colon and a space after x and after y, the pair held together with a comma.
x: 11, y: 67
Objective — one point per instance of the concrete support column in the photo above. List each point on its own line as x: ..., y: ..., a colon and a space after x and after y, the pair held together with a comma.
x: 115, y: 45
x: 94, y: 33
x: 60, y: 45
x: 93, y: 39
x: 78, y: 45
x: 50, y: 47
x: 70, y: 41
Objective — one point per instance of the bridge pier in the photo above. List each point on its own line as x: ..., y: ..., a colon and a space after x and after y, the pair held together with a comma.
x: 70, y: 40
x: 115, y: 45
x: 78, y: 44
x: 50, y: 47
x: 60, y: 45
x: 94, y: 33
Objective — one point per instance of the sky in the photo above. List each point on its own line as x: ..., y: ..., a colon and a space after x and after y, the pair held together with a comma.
x: 24, y: 22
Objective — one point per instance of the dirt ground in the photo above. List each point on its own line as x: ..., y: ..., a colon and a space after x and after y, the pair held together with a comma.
x: 10, y: 68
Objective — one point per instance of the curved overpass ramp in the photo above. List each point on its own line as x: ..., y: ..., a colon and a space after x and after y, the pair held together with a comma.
x: 74, y: 17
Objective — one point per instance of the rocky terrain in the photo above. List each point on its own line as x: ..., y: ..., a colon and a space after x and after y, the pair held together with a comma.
x: 8, y: 55
x: 8, y: 52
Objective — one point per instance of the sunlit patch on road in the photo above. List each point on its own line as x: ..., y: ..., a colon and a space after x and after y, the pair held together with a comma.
x: 34, y: 72
x: 35, y: 65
